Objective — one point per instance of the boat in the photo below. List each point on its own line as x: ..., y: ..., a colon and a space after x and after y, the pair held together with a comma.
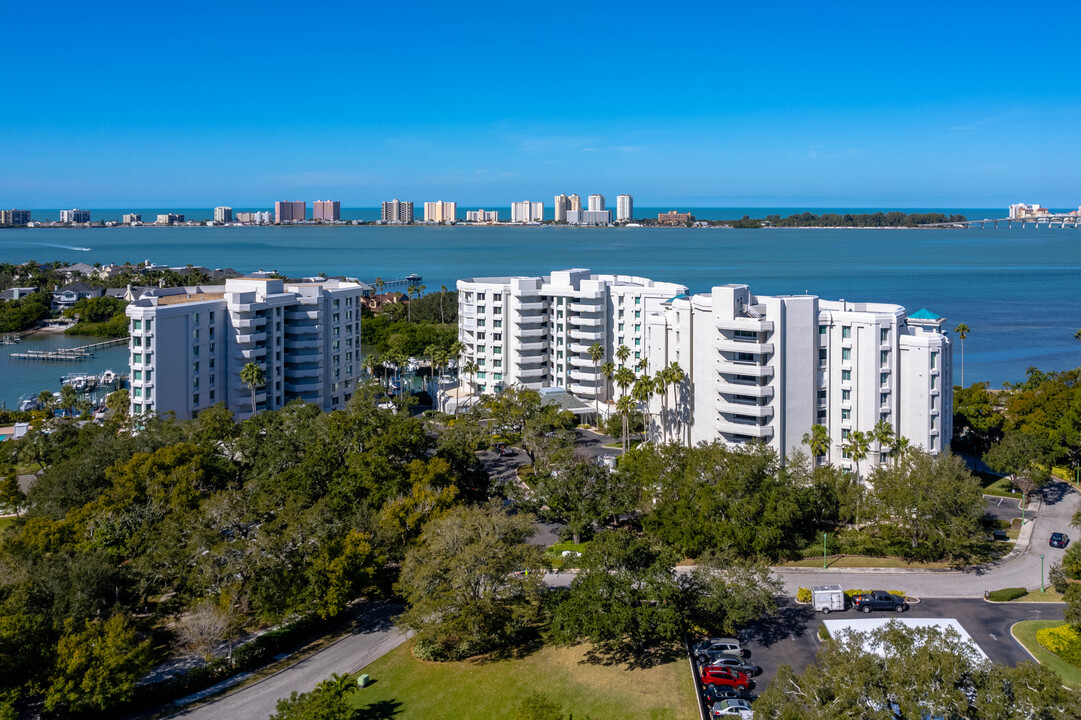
x: 413, y: 278
x: 28, y: 403
x: 80, y: 383
x: 107, y: 378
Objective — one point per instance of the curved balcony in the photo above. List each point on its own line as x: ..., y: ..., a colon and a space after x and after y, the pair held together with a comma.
x: 531, y: 373
x: 294, y: 314
x: 755, y: 431
x: 587, y: 333
x: 252, y: 353
x: 580, y: 348
x: 294, y: 373
x: 246, y: 338
x: 529, y: 306
x: 727, y: 367
x: 246, y: 323
x: 533, y: 332
x: 301, y: 344
x: 587, y: 321
x: 581, y: 361
x: 744, y: 324
x: 758, y: 391
x: 743, y: 346
x: 584, y: 305
x: 305, y: 385
x: 588, y: 391
x: 578, y: 374
x: 728, y: 407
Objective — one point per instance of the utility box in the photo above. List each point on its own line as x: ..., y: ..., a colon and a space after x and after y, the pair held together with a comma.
x: 828, y: 598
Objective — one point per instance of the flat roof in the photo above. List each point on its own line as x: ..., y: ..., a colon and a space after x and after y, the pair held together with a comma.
x: 181, y: 298
x: 867, y: 625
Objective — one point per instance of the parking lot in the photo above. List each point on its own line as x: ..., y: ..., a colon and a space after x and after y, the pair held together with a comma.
x: 790, y: 637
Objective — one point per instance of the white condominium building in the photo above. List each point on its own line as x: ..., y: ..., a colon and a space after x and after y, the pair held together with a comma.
x: 188, y: 345
x: 397, y: 211
x: 481, y: 216
x: 223, y: 214
x: 624, y: 208
x: 527, y: 212
x: 768, y: 368
x: 440, y: 212
x: 561, y: 205
x: 596, y: 203
x: 537, y: 331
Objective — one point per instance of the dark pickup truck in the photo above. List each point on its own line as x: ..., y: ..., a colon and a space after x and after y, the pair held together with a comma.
x: 879, y: 600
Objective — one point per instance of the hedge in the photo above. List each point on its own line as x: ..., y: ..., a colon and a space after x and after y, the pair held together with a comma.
x: 1006, y: 594
x: 804, y: 594
x: 1063, y: 641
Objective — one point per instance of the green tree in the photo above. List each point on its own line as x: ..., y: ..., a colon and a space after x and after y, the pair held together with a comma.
x: 11, y: 495
x: 473, y: 583
x: 253, y: 375
x: 608, y: 369
x: 330, y: 700
x: 818, y: 442
x: 642, y: 392
x: 977, y: 422
x: 68, y: 398
x: 596, y: 354
x: 962, y: 331
x: 625, y: 406
x: 622, y: 353
x: 886, y: 439
x: 858, y: 446
x: 98, y: 666
x: 729, y: 593
x: 934, y: 502
x: 676, y: 376
x: 118, y: 401
x: 581, y: 496
x: 1017, y: 454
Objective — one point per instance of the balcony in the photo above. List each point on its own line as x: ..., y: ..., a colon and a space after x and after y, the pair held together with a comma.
x: 729, y: 407
x: 533, y: 372
x: 302, y: 344
x: 294, y: 314
x: 527, y: 347
x: 745, y: 346
x: 583, y: 305
x: 728, y: 367
x: 250, y: 337
x: 751, y: 324
x: 252, y: 353
x: 293, y: 373
x: 246, y: 323
x: 584, y: 333
x: 578, y: 374
x: 584, y: 391
x: 305, y: 385
x: 529, y: 306
x: 587, y: 321
x: 755, y: 431
x: 735, y: 388
x: 533, y: 332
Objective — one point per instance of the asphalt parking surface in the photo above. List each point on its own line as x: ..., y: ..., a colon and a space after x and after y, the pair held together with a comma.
x: 791, y: 636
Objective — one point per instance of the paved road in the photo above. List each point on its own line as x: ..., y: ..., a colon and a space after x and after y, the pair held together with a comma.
x: 1049, y: 512
x: 257, y: 701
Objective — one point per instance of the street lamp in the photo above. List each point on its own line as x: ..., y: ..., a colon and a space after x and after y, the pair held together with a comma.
x: 1041, y: 572
x: 824, y: 535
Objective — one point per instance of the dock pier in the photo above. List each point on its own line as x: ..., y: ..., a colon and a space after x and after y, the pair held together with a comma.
x: 72, y: 354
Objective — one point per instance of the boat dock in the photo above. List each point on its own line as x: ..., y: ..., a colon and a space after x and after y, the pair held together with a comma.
x: 72, y: 354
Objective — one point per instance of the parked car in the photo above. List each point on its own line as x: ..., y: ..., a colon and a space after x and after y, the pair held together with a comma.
x: 731, y: 708
x: 1059, y: 540
x: 879, y: 600
x: 712, y: 693
x: 745, y: 667
x: 724, y: 677
x: 716, y: 647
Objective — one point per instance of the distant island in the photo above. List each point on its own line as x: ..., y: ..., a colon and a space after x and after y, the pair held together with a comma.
x: 863, y: 220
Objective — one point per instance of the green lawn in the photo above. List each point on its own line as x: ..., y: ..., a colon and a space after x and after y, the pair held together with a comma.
x: 1048, y: 595
x: 409, y: 689
x: 997, y: 486
x: 1025, y: 632
x: 6, y: 522
x: 863, y: 561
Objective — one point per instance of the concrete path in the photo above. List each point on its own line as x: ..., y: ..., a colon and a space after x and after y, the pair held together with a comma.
x: 346, y: 655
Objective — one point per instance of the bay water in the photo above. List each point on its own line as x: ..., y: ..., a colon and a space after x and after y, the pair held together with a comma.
x: 1017, y: 289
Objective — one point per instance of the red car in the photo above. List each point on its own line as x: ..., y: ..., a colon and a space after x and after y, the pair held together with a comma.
x: 724, y: 677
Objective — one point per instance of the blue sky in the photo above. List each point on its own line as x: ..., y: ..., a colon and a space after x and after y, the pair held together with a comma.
x: 862, y: 104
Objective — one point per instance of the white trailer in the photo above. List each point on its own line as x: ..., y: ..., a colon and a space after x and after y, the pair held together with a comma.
x: 827, y: 598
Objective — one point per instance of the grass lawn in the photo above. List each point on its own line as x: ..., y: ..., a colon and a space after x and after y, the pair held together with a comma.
x: 997, y: 486
x: 1048, y: 595
x: 472, y: 689
x: 1025, y: 632
x: 863, y: 561
x: 6, y: 522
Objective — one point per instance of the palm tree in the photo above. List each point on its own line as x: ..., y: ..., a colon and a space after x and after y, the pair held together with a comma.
x: 622, y: 354
x: 253, y: 376
x: 609, y: 371
x: 858, y: 445
x: 642, y: 392
x: 641, y: 365
x: 596, y: 354
x: 442, y: 293
x: 339, y: 685
x: 379, y: 284
x: 675, y: 380
x: 371, y: 362
x: 818, y: 442
x: 625, y: 405
x: 900, y: 448
x: 68, y: 398
x: 46, y: 400
x: 624, y: 379
x: 962, y: 331
x: 660, y: 384
x: 883, y: 434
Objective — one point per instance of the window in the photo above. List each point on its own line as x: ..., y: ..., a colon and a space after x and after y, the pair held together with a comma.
x: 480, y: 323
x: 638, y: 301
x: 136, y: 358
x: 637, y: 314
x: 137, y: 375
x: 137, y: 341
x: 934, y: 382
x: 884, y: 335
x: 498, y: 351
x: 846, y: 395
x: 823, y: 329
x: 481, y: 336
x: 621, y: 327
x: 211, y: 363
x: 934, y: 360
x: 148, y: 324
x: 195, y: 367
x: 846, y: 375
x: 637, y: 343
x: 559, y: 354
x: 822, y: 357
x: 884, y: 417
x: 497, y: 376
x: 845, y: 434
x: 337, y: 303
x: 195, y: 333
x: 497, y: 337
x: 846, y: 414
x: 211, y: 396
x: 137, y: 408
x: 195, y: 319
x: 497, y: 297
x: 211, y: 347
x: 884, y: 378
x: 745, y: 334
x: 884, y: 399
x: 822, y: 396
x: 136, y: 324
x: 211, y: 332
x: 137, y: 392
x: 934, y: 422
x: 846, y: 354
x: 195, y: 351
x: 846, y: 331
x: 821, y: 417
x: 638, y: 328
x: 884, y: 356
x: 212, y: 384
x: 637, y: 355
x: 497, y: 323
x: 497, y: 363
x: 481, y: 361
x: 211, y: 318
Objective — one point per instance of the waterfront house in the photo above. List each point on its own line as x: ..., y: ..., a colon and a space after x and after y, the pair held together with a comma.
x: 65, y: 297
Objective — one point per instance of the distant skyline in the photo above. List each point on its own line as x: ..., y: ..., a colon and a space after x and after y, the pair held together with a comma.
x: 793, y: 104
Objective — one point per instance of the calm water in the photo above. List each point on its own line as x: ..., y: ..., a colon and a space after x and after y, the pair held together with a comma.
x: 1017, y: 289
x: 30, y: 377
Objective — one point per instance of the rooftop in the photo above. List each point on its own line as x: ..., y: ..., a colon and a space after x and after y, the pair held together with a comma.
x: 188, y: 298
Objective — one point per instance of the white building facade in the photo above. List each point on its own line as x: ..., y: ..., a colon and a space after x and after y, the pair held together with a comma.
x: 595, y: 203
x: 624, y: 208
x: 536, y: 331
x: 482, y: 216
x: 589, y: 217
x: 223, y: 214
x: 188, y: 345
x: 527, y: 212
x: 440, y: 212
x: 769, y: 368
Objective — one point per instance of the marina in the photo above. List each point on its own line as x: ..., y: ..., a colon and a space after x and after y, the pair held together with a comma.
x: 74, y: 354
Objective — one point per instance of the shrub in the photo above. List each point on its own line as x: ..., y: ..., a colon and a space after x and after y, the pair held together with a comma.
x: 1006, y: 594
x: 1064, y: 641
x: 859, y: 591
x: 1058, y: 578
x: 803, y: 595
x: 538, y: 706
x: 1071, y: 562
x: 823, y: 633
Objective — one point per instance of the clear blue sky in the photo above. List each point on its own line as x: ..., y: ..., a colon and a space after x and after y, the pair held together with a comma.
x: 863, y: 104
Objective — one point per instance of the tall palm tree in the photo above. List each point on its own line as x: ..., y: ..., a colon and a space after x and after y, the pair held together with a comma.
x: 660, y: 385
x: 253, y: 375
x: 625, y: 405
x: 675, y: 380
x: 411, y: 291
x: 442, y: 293
x: 624, y: 379
x: 622, y: 353
x: 642, y: 392
x: 379, y: 284
x: 962, y: 331
x: 818, y: 442
x: 596, y: 354
x: 46, y: 400
x: 609, y: 371
x: 641, y: 365
x: 371, y: 363
x: 883, y: 434
x: 858, y: 445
